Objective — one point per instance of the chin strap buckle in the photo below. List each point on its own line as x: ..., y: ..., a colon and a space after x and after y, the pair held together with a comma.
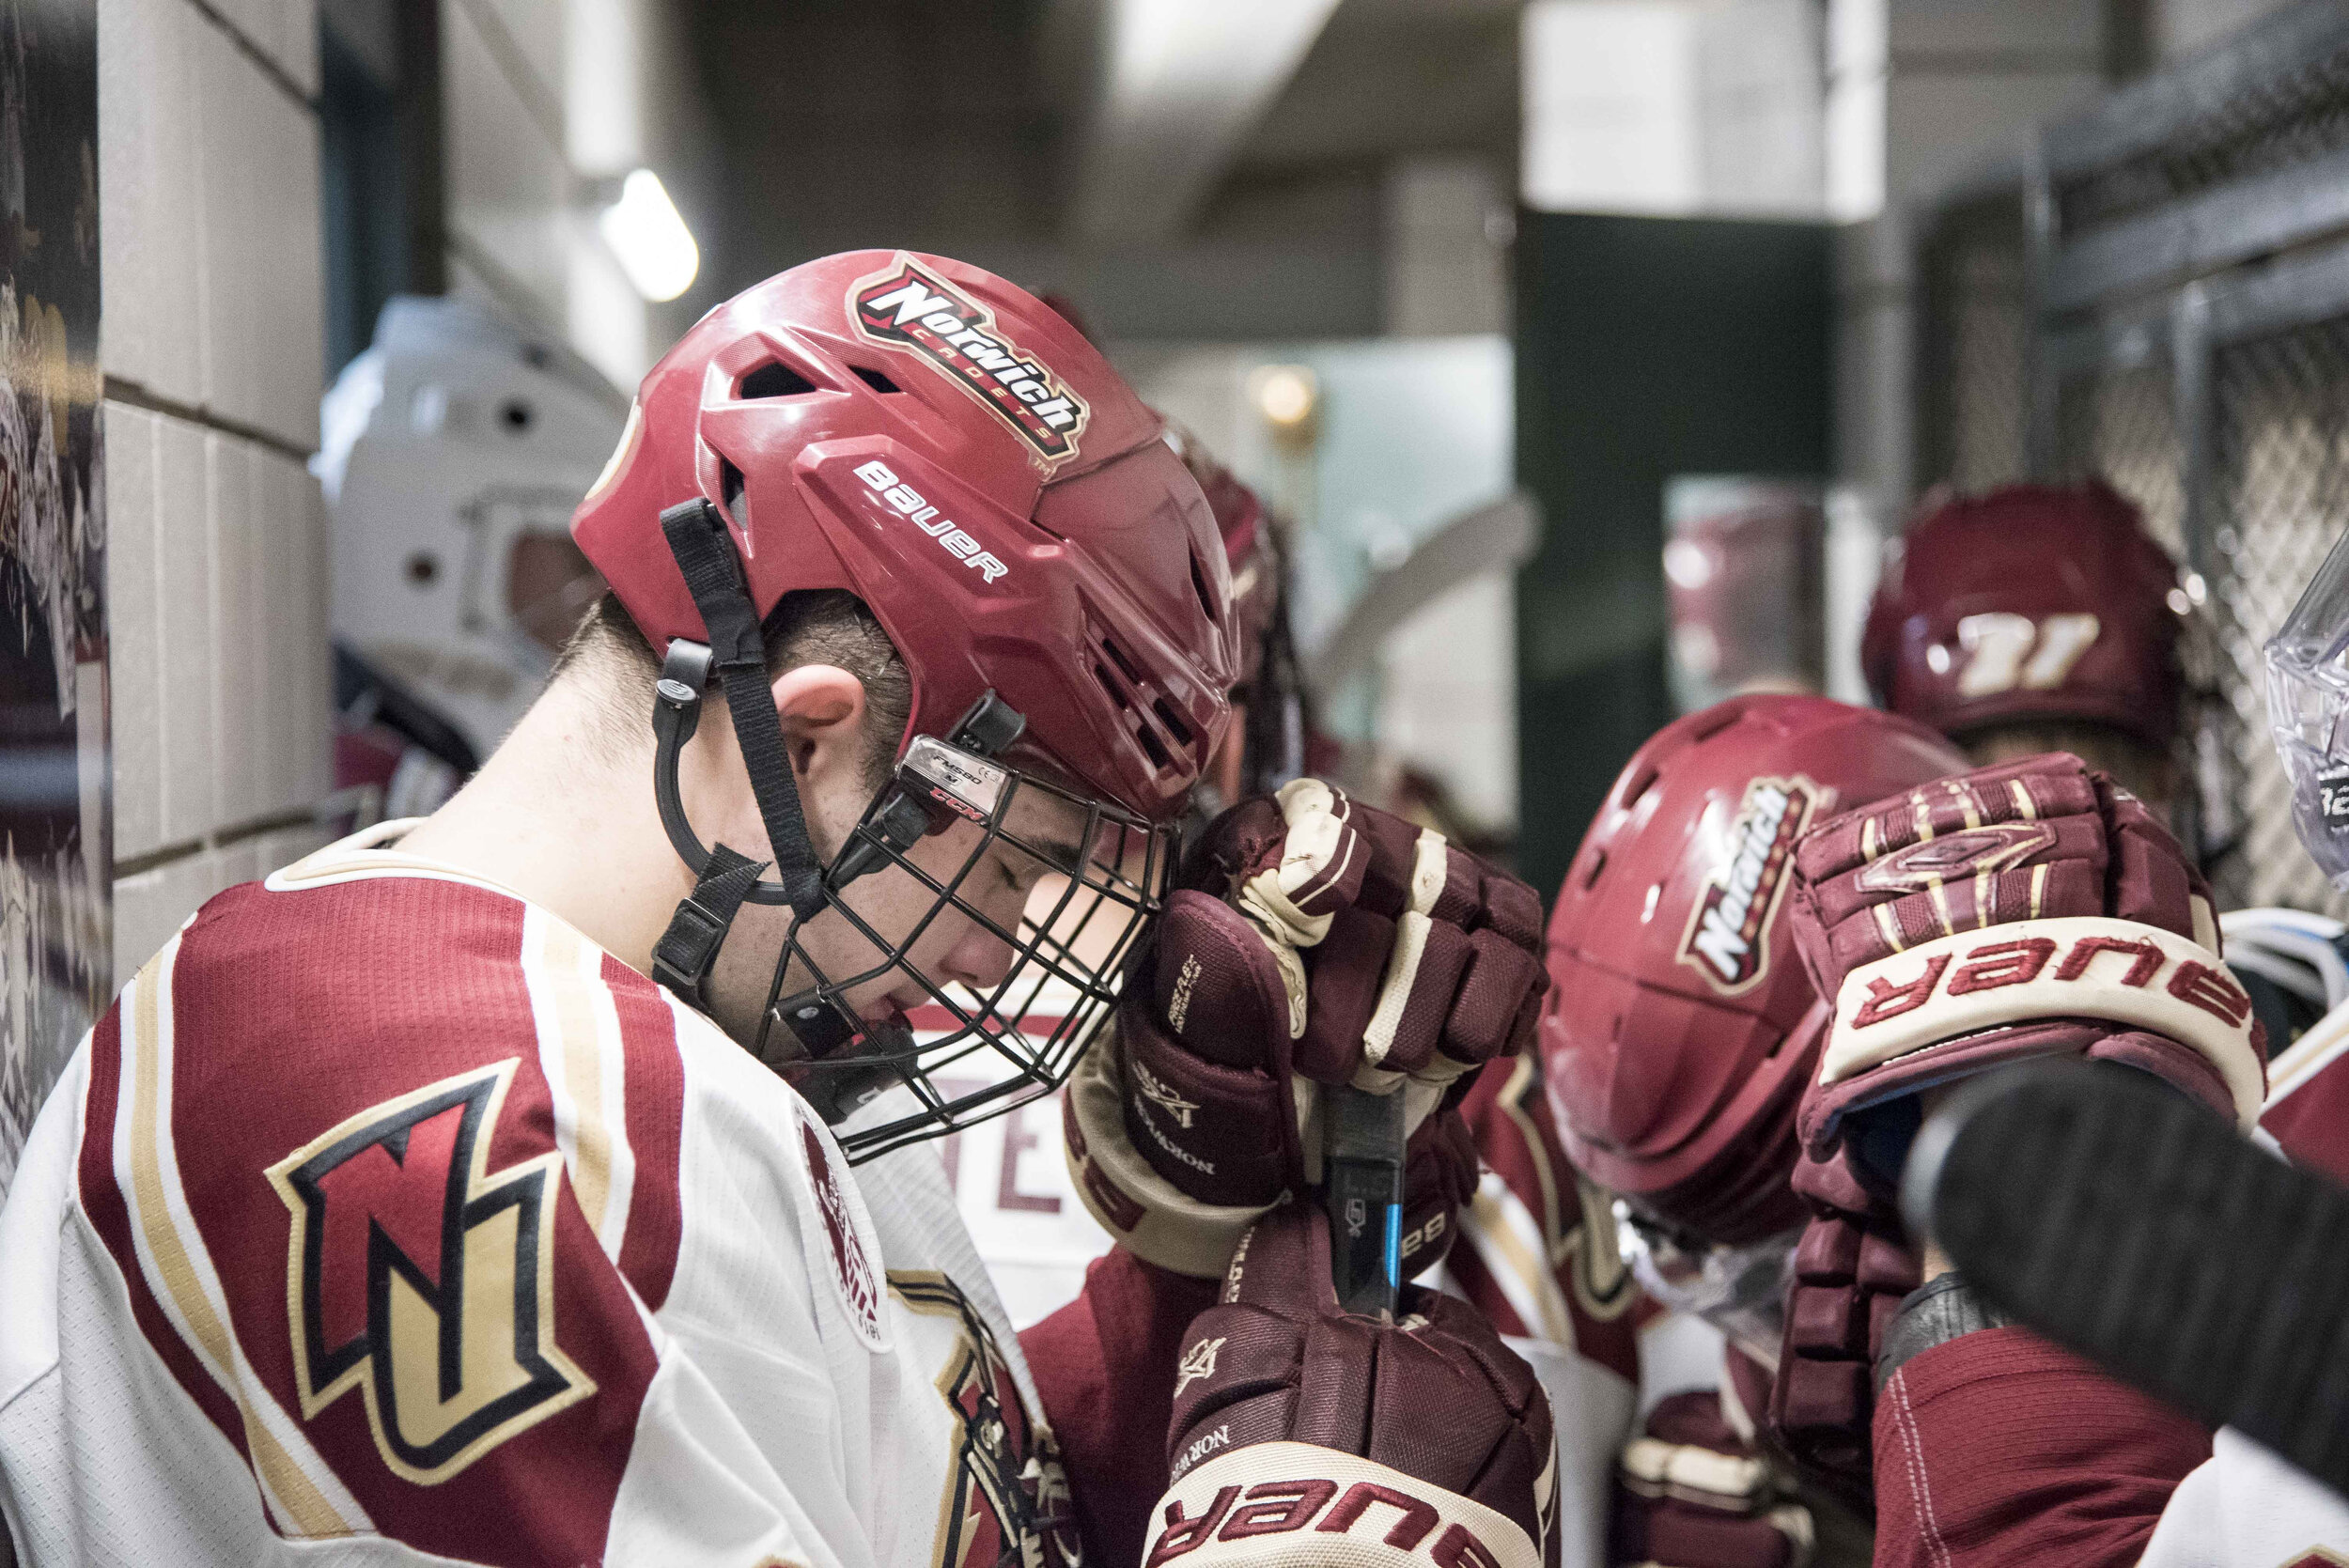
x: 682, y: 957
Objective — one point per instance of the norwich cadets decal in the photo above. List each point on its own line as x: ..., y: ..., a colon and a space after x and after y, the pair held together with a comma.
x: 907, y: 308
x: 1729, y: 930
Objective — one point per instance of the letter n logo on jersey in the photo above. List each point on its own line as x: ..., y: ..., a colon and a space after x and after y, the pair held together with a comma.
x: 425, y: 1281
x: 1728, y: 937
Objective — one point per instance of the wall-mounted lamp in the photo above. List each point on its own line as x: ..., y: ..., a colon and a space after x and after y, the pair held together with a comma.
x: 640, y: 224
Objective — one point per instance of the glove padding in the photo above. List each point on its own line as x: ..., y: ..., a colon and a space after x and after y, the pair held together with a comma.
x: 1295, y: 1421
x: 2030, y: 908
x: 1311, y: 942
x: 1852, y: 1269
x: 1691, y: 1493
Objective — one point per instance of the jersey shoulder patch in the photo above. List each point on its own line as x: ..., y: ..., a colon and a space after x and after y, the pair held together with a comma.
x: 389, y: 1165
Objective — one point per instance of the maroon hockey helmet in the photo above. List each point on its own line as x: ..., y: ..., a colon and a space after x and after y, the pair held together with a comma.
x: 948, y: 449
x: 2030, y: 603
x: 1680, y: 1026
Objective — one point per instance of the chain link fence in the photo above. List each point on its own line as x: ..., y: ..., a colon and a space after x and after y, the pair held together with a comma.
x: 1973, y: 344
x: 2165, y: 302
x: 2122, y: 424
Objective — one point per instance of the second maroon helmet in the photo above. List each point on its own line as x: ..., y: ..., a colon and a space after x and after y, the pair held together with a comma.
x: 2032, y: 603
x: 1680, y: 1028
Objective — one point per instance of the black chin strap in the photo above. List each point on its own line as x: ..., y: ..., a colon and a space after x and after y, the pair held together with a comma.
x: 737, y: 655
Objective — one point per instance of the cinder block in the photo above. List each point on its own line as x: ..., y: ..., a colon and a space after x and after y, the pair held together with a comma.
x: 261, y: 309
x: 317, y: 718
x: 276, y: 765
x: 283, y: 302
x: 288, y: 845
x: 135, y: 921
x: 191, y: 801
x: 133, y: 666
x: 150, y: 132
x: 237, y: 692
x: 149, y: 906
x: 127, y: 199
x: 296, y: 733
x: 239, y: 861
x: 228, y: 174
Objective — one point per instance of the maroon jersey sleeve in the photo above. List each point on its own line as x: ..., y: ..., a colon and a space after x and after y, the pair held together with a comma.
x: 385, y: 1217
x: 1105, y: 1366
x: 1998, y: 1447
x: 2310, y: 1117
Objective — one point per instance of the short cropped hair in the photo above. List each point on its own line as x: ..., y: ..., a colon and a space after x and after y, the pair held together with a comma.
x: 818, y: 625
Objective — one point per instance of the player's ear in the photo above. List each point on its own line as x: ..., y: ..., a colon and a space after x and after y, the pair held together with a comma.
x: 823, y: 709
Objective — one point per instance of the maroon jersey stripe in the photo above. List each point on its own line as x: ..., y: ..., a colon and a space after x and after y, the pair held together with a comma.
x: 109, y: 1214
x: 655, y: 1114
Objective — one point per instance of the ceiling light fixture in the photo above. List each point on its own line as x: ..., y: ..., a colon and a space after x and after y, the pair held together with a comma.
x: 654, y: 247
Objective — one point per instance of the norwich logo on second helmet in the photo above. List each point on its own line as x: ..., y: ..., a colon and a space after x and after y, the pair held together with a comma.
x: 1729, y: 930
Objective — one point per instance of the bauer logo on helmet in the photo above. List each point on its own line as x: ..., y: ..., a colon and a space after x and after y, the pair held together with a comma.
x: 1729, y: 930
x: 905, y: 307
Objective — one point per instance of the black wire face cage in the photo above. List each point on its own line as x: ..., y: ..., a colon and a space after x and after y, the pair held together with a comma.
x: 1084, y: 878
x: 1026, y: 897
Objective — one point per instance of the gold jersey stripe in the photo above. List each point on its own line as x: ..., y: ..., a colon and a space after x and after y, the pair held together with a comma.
x: 298, y: 1494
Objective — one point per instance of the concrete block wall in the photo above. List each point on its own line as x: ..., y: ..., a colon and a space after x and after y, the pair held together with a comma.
x: 211, y: 343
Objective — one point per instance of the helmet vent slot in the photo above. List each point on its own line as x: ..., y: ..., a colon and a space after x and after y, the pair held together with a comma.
x: 1199, y: 586
x: 874, y: 379
x: 1143, y: 731
x: 1174, y: 725
x: 1590, y: 873
x: 1125, y: 665
x: 772, y: 380
x: 730, y: 488
x: 1152, y: 744
x: 1636, y: 785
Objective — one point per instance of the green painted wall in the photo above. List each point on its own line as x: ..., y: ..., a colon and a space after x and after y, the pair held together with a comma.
x: 1645, y: 347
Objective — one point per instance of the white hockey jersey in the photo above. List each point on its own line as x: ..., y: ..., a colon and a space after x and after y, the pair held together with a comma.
x: 2246, y: 1508
x: 387, y: 1220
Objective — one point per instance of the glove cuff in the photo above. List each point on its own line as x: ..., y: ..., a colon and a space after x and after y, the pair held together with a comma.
x: 1276, y: 1505
x: 1935, y: 1314
x: 1148, y: 1215
x: 2074, y: 967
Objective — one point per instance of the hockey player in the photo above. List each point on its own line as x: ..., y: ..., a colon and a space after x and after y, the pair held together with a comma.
x: 2082, y: 1464
x: 2024, y: 910
x: 396, y: 1213
x: 2036, y: 618
x: 2039, y: 618
x: 1678, y: 1037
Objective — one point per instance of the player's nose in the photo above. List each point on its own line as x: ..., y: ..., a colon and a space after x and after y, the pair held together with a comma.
x: 981, y: 958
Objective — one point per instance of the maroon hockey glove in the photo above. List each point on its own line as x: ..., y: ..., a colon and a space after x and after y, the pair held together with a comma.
x: 1852, y: 1269
x: 1315, y: 941
x: 1691, y: 1493
x: 1422, y: 1440
x: 2032, y: 909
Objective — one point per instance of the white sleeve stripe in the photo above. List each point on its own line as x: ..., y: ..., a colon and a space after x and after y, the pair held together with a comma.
x: 580, y: 1055
x: 301, y: 1490
x: 1508, y: 1241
